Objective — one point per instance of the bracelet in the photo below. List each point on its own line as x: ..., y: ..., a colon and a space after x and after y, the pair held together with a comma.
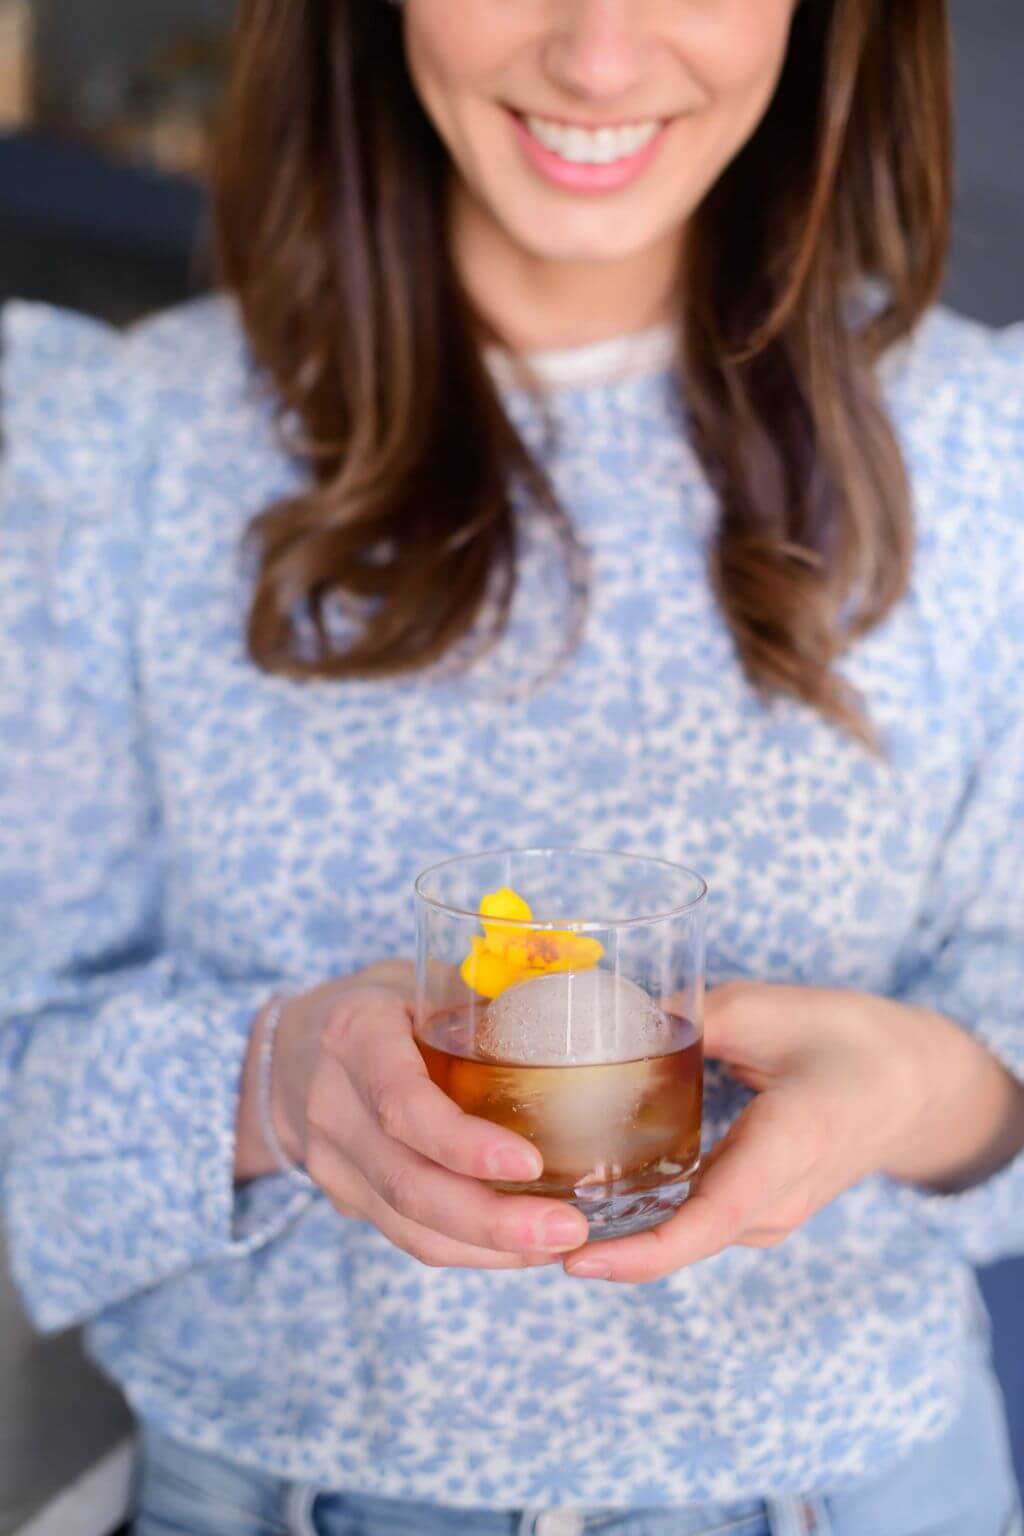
x: 271, y: 1020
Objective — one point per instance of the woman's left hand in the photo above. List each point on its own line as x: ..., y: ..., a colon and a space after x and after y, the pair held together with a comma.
x: 847, y: 1085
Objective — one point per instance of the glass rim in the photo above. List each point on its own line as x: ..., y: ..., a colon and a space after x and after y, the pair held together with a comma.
x: 564, y: 924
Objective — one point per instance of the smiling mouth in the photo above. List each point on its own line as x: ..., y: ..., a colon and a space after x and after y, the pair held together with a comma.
x: 577, y: 145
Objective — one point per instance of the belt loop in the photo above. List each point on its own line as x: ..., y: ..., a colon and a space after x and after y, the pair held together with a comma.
x: 298, y: 1509
x: 798, y: 1517
x: 552, y: 1522
x: 819, y: 1519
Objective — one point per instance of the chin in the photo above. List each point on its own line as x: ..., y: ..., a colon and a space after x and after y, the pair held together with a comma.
x: 547, y: 243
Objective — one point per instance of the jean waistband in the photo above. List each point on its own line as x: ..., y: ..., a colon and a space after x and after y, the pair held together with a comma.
x: 177, y: 1481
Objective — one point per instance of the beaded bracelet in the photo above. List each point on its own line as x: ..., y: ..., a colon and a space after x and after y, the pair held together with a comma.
x: 271, y: 1020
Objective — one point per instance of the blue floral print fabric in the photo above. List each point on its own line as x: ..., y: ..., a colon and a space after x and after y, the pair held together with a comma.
x: 182, y: 835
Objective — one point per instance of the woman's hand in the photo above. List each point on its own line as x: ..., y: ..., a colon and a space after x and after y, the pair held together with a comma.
x: 847, y: 1085
x: 352, y: 1101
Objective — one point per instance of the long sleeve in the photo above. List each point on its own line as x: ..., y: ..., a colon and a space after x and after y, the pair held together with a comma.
x: 969, y: 961
x: 120, y: 1062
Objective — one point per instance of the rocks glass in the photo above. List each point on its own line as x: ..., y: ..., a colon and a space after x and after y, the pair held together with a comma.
x: 560, y: 994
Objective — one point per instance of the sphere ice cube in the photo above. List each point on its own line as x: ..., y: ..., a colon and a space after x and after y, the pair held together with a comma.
x: 572, y: 1018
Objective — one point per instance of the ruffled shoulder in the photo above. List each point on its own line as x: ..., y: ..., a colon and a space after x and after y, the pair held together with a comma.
x: 75, y: 442
x: 84, y: 409
x: 956, y: 389
x: 81, y: 402
x: 967, y: 379
x: 70, y: 416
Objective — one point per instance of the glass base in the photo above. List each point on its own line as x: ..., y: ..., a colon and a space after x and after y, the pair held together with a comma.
x: 621, y: 1207
x: 610, y: 1214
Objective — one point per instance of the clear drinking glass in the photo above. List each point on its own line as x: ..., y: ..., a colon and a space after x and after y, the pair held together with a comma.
x: 559, y: 992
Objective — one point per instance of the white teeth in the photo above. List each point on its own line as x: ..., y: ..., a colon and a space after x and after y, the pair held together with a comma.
x: 579, y: 145
x: 604, y: 145
x: 585, y: 146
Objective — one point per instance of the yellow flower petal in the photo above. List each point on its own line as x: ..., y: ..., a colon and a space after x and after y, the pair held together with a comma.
x: 509, y: 953
x: 486, y: 972
x: 503, y: 903
x: 559, y: 951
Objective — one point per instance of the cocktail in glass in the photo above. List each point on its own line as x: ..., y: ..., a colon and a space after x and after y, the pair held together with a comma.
x: 559, y: 994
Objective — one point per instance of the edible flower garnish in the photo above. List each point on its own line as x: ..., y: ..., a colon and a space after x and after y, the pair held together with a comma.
x: 508, y: 953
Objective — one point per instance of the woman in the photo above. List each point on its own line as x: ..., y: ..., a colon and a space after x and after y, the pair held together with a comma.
x: 607, y: 481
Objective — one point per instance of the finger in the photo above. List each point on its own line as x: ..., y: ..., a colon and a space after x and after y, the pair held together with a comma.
x: 456, y: 1206
x: 741, y: 1022
x: 761, y: 1028
x: 765, y: 1237
x: 741, y: 1028
x: 396, y: 975
x: 375, y: 1042
x: 353, y: 1196
x: 753, y: 1170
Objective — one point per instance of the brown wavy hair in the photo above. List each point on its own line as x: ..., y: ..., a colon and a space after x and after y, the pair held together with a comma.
x: 330, y: 206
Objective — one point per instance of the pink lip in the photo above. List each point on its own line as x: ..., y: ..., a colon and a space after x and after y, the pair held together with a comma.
x: 585, y: 178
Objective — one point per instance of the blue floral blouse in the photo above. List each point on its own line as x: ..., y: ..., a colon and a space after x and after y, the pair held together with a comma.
x: 181, y: 835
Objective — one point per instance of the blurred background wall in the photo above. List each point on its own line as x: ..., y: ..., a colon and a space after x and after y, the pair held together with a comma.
x: 988, y: 257
x: 109, y: 106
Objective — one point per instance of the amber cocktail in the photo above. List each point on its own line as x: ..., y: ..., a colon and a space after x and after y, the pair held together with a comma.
x: 559, y: 994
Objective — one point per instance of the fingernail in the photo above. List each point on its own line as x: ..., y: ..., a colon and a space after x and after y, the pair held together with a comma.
x: 561, y: 1231
x: 517, y: 1167
x: 589, y: 1269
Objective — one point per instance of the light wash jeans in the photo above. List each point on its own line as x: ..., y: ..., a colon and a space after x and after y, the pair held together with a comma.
x: 960, y: 1485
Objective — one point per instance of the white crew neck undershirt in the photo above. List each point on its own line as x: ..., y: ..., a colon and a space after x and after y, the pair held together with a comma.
x: 597, y: 362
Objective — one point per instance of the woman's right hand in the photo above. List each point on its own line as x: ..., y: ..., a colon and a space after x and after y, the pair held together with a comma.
x: 353, y: 1102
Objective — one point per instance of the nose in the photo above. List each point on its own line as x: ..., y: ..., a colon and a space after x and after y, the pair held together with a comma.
x: 595, y: 53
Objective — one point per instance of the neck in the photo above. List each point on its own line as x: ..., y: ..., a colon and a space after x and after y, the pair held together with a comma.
x: 536, y: 304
